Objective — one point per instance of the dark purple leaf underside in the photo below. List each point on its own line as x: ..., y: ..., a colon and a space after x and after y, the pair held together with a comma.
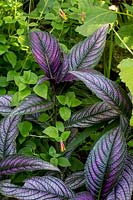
x: 84, y: 196
x: 87, y: 54
x: 91, y: 115
x: 8, y: 134
x: 46, y: 51
x: 105, y: 163
x: 75, y: 180
x: 5, y: 107
x: 124, y: 188
x: 107, y: 90
x: 32, y: 104
x: 38, y: 188
x: 18, y: 163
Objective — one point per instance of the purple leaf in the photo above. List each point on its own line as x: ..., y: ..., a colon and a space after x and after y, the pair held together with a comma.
x: 37, y: 188
x: 18, y: 163
x: 87, y: 53
x: 107, y: 90
x: 46, y: 51
x: 8, y: 134
x: 84, y: 196
x: 125, y: 126
x: 75, y: 180
x: 5, y: 101
x: 105, y: 163
x: 124, y: 188
x: 91, y: 115
x: 32, y: 104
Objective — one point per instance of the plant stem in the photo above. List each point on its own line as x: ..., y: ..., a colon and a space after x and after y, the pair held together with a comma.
x: 123, y: 42
x: 110, y: 55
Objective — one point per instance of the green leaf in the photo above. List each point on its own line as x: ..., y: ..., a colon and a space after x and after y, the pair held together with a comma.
x: 29, y: 77
x: 95, y: 18
x: 60, y: 126
x: 11, y: 75
x: 130, y: 143
x: 25, y: 127
x: 3, y: 49
x: 43, y: 117
x: 126, y: 73
x: 54, y: 161
x: 131, y: 120
x: 52, y: 151
x: 51, y: 131
x: 76, y: 164
x: 125, y: 32
x: 18, y: 82
x: 3, y: 81
x: 41, y: 90
x: 11, y: 57
x: 65, y: 113
x: 65, y: 135
x: 9, y: 20
x: 62, y: 99
x: 63, y: 162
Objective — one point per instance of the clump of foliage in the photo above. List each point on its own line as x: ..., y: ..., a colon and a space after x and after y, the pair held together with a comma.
x: 108, y: 171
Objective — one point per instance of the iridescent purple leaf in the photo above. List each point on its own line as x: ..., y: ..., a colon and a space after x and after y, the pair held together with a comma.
x: 125, y: 125
x: 105, y: 163
x: 124, y: 188
x: 8, y: 134
x: 5, y: 101
x: 91, y: 115
x: 84, y: 196
x: 46, y: 51
x: 18, y: 163
x: 38, y: 188
x: 32, y: 104
x: 107, y: 90
x: 87, y: 53
x: 75, y: 180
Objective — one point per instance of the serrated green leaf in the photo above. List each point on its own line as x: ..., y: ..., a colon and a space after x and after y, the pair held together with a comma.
x: 65, y: 113
x: 41, y: 90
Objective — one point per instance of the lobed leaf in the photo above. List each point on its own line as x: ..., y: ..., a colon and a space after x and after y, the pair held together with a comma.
x: 17, y: 163
x: 8, y: 134
x: 32, y: 104
x: 87, y: 53
x: 124, y: 188
x: 105, y: 163
x: 5, y: 101
x: 46, y: 51
x: 37, y: 188
x: 107, y: 90
x: 75, y: 180
x: 91, y: 115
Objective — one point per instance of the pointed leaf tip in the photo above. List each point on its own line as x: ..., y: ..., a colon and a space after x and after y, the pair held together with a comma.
x: 46, y: 51
x: 87, y: 53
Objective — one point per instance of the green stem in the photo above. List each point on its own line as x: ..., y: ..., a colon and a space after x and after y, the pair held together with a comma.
x: 110, y: 54
x: 123, y: 42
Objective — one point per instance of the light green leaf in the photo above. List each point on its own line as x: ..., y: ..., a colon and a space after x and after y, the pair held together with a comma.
x: 126, y: 73
x: 52, y: 151
x: 60, y: 126
x: 11, y: 74
x: 3, y: 81
x: 54, y: 161
x: 29, y: 77
x: 43, y: 117
x: 11, y: 57
x: 63, y: 162
x: 25, y: 127
x: 65, y: 135
x: 62, y: 99
x: 65, y: 113
x: 95, y: 18
x: 41, y: 90
x: 126, y: 34
x: 3, y: 49
x: 51, y: 131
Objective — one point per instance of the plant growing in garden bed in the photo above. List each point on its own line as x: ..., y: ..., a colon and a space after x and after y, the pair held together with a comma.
x: 108, y: 172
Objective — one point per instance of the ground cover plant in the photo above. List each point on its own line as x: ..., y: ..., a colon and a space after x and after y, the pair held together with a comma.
x: 108, y: 170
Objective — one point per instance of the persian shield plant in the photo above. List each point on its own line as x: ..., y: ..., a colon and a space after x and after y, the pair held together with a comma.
x: 108, y: 171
